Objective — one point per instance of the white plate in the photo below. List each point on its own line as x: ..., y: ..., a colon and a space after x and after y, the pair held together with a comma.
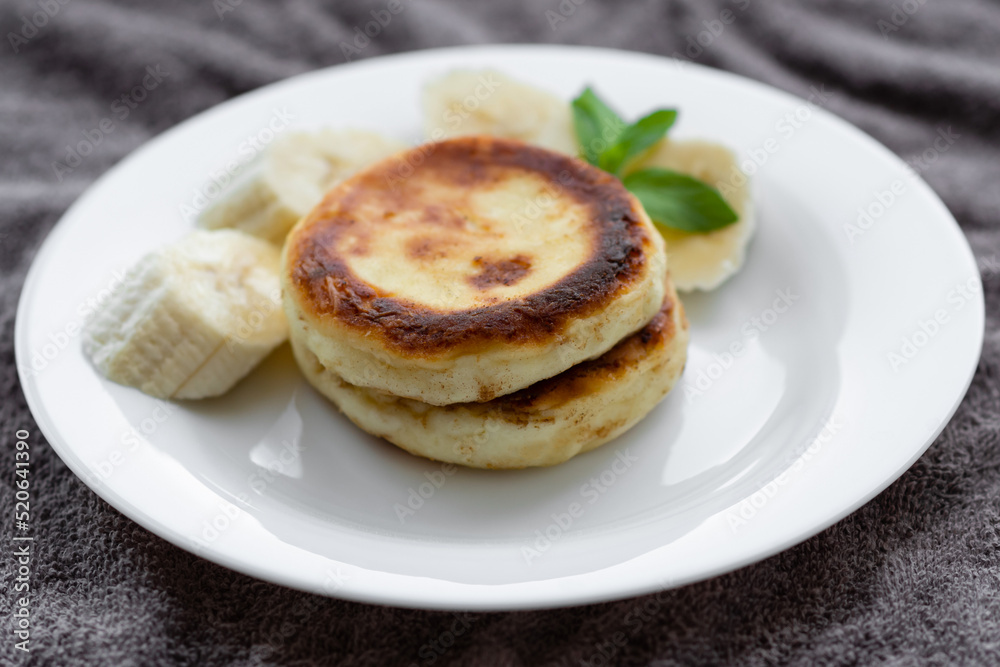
x: 809, y: 422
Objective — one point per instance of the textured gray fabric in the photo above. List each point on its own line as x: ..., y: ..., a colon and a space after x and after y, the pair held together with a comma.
x: 913, y: 577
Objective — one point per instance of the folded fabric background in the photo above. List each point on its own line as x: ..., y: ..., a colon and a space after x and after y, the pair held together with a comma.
x: 914, y: 575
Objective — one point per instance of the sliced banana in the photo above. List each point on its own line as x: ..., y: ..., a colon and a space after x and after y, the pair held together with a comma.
x: 467, y: 102
x: 704, y: 261
x: 292, y: 176
x: 193, y: 318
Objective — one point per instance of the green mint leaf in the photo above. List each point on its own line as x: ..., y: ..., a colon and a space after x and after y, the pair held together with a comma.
x: 596, y: 124
x: 671, y: 199
x: 636, y: 138
x: 676, y: 200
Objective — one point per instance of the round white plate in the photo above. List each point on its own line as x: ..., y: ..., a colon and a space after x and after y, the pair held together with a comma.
x: 792, y: 412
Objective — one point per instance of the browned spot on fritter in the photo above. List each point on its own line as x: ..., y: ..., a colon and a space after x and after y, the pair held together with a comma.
x: 358, y: 244
x: 486, y: 393
x: 499, y: 272
x: 605, y: 430
x: 436, y: 215
x: 425, y: 247
x: 579, y: 380
x: 327, y: 287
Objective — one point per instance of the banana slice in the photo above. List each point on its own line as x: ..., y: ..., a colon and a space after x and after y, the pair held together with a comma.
x: 191, y: 319
x: 468, y: 102
x: 704, y: 261
x: 292, y: 176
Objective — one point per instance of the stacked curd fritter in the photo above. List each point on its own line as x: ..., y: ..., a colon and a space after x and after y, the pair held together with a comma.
x: 485, y: 302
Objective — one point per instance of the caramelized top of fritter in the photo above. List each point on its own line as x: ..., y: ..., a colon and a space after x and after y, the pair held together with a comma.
x: 467, y: 241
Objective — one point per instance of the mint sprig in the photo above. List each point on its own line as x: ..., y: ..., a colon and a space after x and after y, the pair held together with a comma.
x: 597, y: 126
x: 671, y: 199
x: 680, y: 201
x: 636, y: 138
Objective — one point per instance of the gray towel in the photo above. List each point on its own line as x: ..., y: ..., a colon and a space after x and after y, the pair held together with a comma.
x: 912, y: 577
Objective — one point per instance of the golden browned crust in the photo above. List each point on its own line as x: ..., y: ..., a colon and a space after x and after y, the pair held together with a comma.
x: 543, y: 424
x: 328, y: 288
x: 577, y: 380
